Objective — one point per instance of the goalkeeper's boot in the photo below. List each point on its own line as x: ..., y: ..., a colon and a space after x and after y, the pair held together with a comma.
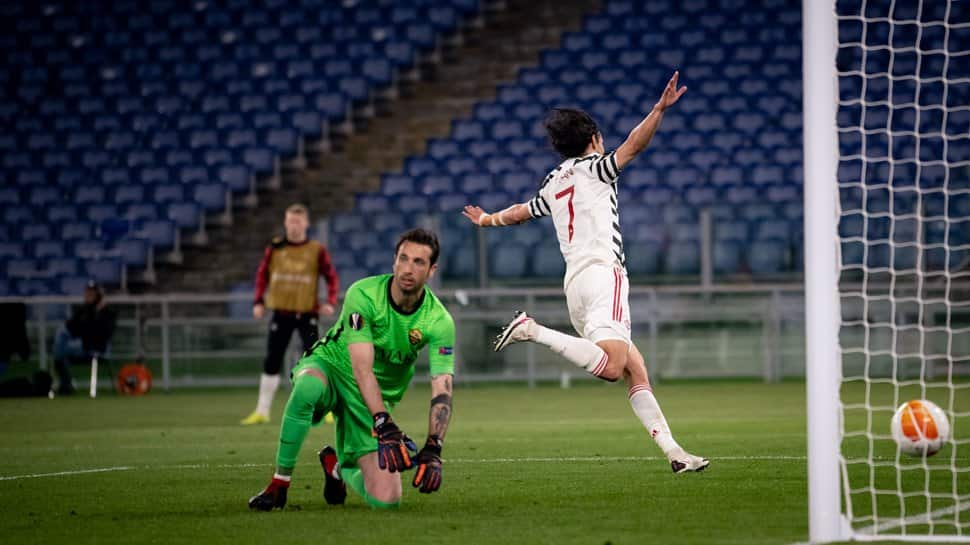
x: 682, y: 462
x: 334, y: 489
x: 272, y: 497
x: 255, y: 418
x: 520, y: 329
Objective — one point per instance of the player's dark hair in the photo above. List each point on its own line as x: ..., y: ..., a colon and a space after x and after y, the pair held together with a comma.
x: 570, y: 130
x: 423, y: 237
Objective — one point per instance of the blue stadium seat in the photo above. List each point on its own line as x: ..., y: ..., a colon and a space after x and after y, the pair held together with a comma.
x: 35, y: 232
x: 779, y: 230
x: 726, y: 257
x: 767, y: 258
x: 236, y: 177
x: 186, y: 215
x: 467, y: 130
x: 88, y: 248
x: 508, y: 260
x: 475, y: 183
x: 482, y: 149
x: 310, y: 124
x: 643, y: 257
x: 683, y: 258
x: 87, y: 194
x: 547, y: 261
x: 129, y: 194
x: 62, y: 266
x: 11, y: 250
x: 162, y: 233
x: 260, y: 160
x: 106, y: 270
x: 284, y: 142
x: 168, y: 192
x: 140, y: 211
x: 731, y: 230
x: 134, y: 252
x: 211, y: 196
x: 99, y: 212
x: 436, y: 184
x: 46, y: 249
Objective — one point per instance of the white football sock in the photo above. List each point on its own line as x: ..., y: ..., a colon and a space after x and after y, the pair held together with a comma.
x: 267, y: 390
x: 648, y: 411
x: 578, y: 350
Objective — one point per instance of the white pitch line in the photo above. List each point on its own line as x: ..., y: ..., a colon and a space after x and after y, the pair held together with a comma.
x: 62, y: 473
x: 923, y: 518
x: 563, y: 459
x: 610, y: 459
x: 874, y: 532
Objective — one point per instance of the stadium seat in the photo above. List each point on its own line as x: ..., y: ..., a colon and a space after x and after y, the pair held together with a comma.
x: 210, y: 196
x: 47, y: 249
x: 106, y: 270
x: 643, y: 257
x: 186, y: 215
x: 683, y: 258
x: 161, y: 232
x: 767, y: 257
x: 508, y: 261
x: 726, y: 257
x: 547, y: 261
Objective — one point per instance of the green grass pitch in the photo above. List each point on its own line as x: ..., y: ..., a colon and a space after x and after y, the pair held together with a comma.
x: 548, y: 465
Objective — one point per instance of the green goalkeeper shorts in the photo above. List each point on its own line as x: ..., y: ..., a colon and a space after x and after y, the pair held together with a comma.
x: 341, y: 397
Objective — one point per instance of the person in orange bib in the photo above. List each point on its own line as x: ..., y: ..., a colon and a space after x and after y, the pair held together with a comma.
x: 286, y: 282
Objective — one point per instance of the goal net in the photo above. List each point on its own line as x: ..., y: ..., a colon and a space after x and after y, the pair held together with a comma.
x: 901, y: 265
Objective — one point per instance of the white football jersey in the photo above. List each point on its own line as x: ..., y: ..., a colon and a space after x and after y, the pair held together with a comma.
x: 580, y: 195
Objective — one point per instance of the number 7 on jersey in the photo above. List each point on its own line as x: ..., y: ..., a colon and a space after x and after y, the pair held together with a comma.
x: 569, y: 192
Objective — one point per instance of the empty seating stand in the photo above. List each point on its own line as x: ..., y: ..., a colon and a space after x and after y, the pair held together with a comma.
x: 731, y: 145
x: 159, y: 115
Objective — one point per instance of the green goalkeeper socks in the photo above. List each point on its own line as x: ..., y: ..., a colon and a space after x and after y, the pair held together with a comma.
x: 355, y: 480
x: 307, y: 391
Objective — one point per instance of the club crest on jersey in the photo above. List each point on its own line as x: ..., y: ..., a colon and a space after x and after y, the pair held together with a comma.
x: 415, y: 336
x: 356, y: 321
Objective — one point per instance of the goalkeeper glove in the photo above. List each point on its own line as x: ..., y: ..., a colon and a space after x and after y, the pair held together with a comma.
x: 428, y: 474
x: 393, y: 447
x: 273, y: 496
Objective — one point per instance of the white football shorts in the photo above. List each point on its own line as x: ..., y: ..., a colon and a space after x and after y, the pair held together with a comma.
x: 599, y: 303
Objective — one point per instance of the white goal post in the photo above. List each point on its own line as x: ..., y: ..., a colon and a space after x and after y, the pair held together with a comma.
x: 886, y: 110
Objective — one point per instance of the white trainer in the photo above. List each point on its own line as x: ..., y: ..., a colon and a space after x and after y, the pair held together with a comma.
x: 518, y: 330
x: 682, y: 462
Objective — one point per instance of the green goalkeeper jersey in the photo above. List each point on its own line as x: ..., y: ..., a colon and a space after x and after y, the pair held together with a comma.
x: 369, y: 315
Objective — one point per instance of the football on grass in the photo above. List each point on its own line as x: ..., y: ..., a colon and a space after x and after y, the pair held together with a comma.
x: 920, y: 428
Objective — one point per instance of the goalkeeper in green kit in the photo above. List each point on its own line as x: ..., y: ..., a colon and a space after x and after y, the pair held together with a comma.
x: 360, y: 371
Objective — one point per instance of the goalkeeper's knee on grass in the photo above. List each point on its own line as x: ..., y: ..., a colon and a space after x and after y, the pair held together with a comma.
x: 354, y: 478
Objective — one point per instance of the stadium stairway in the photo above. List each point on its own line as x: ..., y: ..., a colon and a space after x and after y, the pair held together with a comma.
x: 466, y: 69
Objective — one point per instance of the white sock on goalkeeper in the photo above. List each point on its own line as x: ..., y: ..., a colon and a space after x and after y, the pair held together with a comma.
x: 648, y: 411
x: 582, y: 352
x: 267, y: 390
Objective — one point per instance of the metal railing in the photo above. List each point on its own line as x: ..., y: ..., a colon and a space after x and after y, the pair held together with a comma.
x: 683, y: 331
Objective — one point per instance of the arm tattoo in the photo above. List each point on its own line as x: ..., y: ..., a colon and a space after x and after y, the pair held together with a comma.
x: 441, y: 410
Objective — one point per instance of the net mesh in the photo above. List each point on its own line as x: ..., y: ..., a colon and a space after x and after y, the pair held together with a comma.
x: 904, y: 227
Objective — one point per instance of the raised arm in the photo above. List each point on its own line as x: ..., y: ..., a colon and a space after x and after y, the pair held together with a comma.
x: 513, y: 215
x: 392, y: 445
x: 639, y: 138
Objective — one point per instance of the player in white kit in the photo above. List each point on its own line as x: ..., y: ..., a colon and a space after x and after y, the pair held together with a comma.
x: 581, y: 196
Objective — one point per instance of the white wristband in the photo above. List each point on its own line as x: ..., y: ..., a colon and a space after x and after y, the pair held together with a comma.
x: 482, y: 218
